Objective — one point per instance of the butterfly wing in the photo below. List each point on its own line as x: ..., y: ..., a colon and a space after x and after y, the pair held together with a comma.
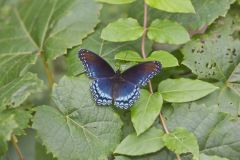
x: 141, y: 73
x: 102, y: 91
x: 125, y: 94
x: 94, y: 65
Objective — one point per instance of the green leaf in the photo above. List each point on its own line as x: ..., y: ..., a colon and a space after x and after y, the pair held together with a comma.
x: 83, y: 130
x: 7, y: 126
x: 41, y: 152
x: 217, y: 133
x: 206, y: 157
x: 166, y: 59
x: 46, y: 26
x: 121, y: 158
x: 182, y: 141
x: 225, y: 97
x: 13, y: 65
x: 12, y: 121
x: 105, y: 49
x: 3, y: 148
x: 17, y: 91
x: 166, y: 31
x: 233, y: 81
x: 147, y: 108
x: 22, y: 118
x: 214, y: 55
x: 124, y: 29
x: 134, y: 145
x: 201, y: 57
x: 183, y: 6
x: 130, y: 56
x: 184, y: 90
x: 207, y: 11
x: 116, y: 1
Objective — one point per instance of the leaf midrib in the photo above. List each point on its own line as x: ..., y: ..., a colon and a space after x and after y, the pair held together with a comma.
x: 85, y: 129
x: 47, y: 24
x: 186, y: 90
x: 25, y: 29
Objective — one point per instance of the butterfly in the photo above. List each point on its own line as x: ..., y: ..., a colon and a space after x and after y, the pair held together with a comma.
x: 113, y: 87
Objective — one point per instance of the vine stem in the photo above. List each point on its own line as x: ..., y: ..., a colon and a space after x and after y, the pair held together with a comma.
x: 162, y: 120
x: 48, y: 72
x: 14, y: 142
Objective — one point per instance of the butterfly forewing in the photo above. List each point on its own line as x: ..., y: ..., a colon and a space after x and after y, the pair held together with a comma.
x: 94, y: 65
x: 141, y: 73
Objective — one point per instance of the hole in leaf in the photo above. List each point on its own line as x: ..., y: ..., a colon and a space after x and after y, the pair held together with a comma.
x: 207, y: 65
x: 202, y: 41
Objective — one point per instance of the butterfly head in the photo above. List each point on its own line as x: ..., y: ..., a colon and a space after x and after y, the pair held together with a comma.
x: 118, y: 75
x: 118, y: 72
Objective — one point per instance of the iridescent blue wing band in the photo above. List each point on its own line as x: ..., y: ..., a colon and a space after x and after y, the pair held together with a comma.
x: 102, y: 91
x: 125, y: 94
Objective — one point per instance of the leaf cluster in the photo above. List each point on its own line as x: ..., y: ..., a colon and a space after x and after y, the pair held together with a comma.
x: 46, y: 108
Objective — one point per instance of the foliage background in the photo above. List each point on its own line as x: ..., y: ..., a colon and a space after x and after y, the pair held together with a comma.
x: 46, y: 110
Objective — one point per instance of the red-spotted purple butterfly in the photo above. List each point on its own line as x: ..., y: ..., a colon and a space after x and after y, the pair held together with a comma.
x: 110, y: 87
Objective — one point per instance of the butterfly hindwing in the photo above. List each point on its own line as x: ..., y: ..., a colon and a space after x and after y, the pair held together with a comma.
x: 94, y: 65
x: 125, y: 94
x: 102, y: 91
x: 106, y: 91
x: 141, y: 73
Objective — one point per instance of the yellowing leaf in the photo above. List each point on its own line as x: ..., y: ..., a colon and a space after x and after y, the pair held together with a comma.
x: 136, y: 145
x: 124, y: 29
x: 184, y: 90
x: 116, y: 1
x: 181, y: 6
x: 166, y: 31
x: 146, y: 110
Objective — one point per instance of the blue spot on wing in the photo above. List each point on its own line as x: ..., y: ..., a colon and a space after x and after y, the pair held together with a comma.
x: 102, y: 91
x: 125, y: 94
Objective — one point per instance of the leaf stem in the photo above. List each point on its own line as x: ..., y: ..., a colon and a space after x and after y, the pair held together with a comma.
x: 14, y: 142
x: 163, y: 123
x: 144, y: 31
x: 48, y: 72
x: 144, y: 56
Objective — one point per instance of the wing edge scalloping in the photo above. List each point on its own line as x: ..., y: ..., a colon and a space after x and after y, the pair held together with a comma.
x: 97, y: 96
x: 83, y: 59
x: 133, y: 97
x: 155, y: 72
